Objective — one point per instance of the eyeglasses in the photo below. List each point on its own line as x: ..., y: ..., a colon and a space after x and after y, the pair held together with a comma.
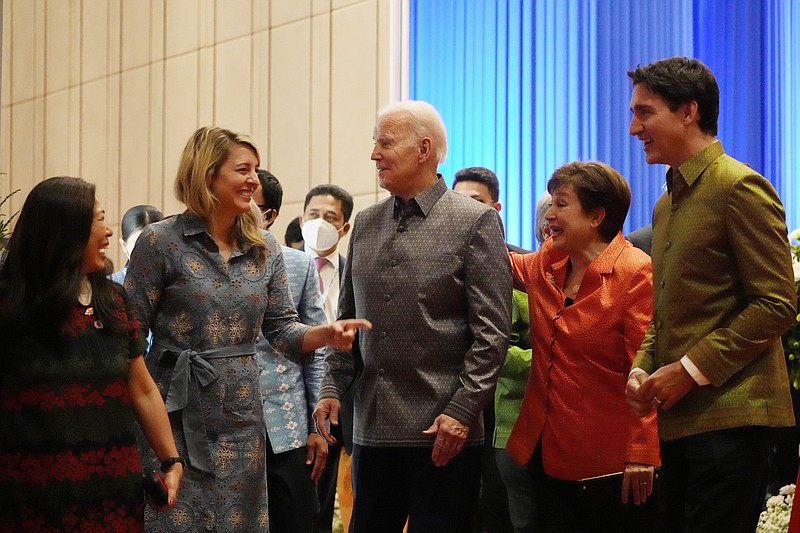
x: 267, y: 212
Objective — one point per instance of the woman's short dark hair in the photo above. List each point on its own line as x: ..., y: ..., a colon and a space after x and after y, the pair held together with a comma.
x: 40, y: 278
x: 596, y: 185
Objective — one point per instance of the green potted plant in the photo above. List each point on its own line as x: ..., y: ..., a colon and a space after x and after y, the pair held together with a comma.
x: 5, y: 223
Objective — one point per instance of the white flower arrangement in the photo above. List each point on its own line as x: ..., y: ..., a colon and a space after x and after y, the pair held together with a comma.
x: 794, y: 242
x: 775, y: 518
x: 791, y: 339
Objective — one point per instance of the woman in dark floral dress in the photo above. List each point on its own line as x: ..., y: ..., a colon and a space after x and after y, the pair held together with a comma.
x: 205, y: 283
x: 72, y: 376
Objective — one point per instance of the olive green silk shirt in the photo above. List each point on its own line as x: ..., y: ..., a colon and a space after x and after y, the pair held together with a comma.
x: 723, y: 294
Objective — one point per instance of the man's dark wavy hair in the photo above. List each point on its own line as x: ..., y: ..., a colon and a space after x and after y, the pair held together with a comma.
x: 679, y: 80
x: 337, y: 192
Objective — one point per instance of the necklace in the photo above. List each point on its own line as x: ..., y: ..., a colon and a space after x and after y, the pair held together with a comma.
x: 572, y: 281
x: 85, y: 299
x: 572, y: 291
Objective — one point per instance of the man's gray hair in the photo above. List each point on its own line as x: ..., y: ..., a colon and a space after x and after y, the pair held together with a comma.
x: 541, y: 208
x: 423, y: 120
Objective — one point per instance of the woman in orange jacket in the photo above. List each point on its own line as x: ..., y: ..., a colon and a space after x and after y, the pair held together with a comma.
x: 591, y: 460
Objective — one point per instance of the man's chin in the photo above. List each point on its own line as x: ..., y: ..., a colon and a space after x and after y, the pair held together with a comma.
x: 325, y: 253
x: 653, y: 159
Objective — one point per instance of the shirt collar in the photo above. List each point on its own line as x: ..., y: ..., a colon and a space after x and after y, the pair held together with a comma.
x: 333, y: 257
x: 424, y: 200
x: 194, y: 225
x: 603, y: 264
x: 691, y: 169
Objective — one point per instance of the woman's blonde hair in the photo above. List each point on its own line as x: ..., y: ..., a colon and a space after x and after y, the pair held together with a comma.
x: 205, y: 152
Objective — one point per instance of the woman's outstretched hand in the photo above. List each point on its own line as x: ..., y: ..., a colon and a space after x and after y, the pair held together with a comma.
x: 343, y: 332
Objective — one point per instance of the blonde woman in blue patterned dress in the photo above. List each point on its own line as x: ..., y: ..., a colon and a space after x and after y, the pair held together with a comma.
x: 206, y: 282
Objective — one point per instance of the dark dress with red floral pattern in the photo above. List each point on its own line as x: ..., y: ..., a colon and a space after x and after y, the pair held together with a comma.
x: 68, y: 459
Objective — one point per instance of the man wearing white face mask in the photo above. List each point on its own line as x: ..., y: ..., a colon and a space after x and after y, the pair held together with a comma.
x: 133, y: 222
x: 325, y: 220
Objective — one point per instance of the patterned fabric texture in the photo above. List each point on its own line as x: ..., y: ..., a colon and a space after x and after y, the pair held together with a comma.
x: 289, y: 390
x: 723, y: 295
x: 68, y: 459
x: 196, y: 303
x: 433, y: 278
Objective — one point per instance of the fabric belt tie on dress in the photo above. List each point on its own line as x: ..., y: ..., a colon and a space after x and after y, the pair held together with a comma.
x: 193, y: 368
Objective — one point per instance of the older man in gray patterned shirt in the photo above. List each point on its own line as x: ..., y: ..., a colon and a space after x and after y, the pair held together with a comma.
x: 428, y: 267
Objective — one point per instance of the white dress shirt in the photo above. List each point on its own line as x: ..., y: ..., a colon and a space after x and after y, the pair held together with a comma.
x: 329, y: 274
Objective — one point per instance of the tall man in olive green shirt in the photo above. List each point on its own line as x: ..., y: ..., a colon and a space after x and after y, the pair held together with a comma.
x: 723, y: 293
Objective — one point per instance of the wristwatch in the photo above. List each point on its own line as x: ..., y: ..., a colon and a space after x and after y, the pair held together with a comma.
x: 166, y: 464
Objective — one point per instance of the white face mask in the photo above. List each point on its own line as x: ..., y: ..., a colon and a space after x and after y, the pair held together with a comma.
x: 319, y: 235
x: 127, y: 246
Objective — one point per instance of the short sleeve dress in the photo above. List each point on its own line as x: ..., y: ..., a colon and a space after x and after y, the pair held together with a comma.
x: 205, y: 314
x: 68, y: 457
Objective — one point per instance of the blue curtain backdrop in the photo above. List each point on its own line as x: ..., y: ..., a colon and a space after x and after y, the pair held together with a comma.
x: 527, y: 85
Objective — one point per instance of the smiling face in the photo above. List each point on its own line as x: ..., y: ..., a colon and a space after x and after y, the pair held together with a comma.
x: 663, y: 133
x: 571, y: 228
x: 396, y: 156
x: 94, y: 255
x: 236, y: 180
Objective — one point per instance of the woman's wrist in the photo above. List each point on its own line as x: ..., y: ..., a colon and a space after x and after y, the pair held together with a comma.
x: 170, y: 462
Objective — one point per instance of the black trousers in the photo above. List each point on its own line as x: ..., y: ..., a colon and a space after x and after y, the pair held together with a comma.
x: 716, y: 481
x: 395, y: 484
x: 291, y: 495
x: 561, y: 506
x: 326, y: 490
x: 492, y: 513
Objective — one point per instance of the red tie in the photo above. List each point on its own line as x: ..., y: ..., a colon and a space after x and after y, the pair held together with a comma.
x: 320, y: 262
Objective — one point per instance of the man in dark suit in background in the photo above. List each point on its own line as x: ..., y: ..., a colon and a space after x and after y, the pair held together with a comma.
x: 326, y: 219
x: 642, y: 238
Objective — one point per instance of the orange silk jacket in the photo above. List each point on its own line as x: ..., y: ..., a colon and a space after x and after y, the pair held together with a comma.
x: 575, y: 397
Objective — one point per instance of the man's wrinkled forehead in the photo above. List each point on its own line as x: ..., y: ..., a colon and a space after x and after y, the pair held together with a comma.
x: 393, y: 123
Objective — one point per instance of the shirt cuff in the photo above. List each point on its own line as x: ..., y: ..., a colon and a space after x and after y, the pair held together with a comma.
x: 693, y: 371
x: 635, y: 370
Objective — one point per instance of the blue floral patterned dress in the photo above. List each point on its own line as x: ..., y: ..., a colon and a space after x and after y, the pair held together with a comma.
x: 205, y: 314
